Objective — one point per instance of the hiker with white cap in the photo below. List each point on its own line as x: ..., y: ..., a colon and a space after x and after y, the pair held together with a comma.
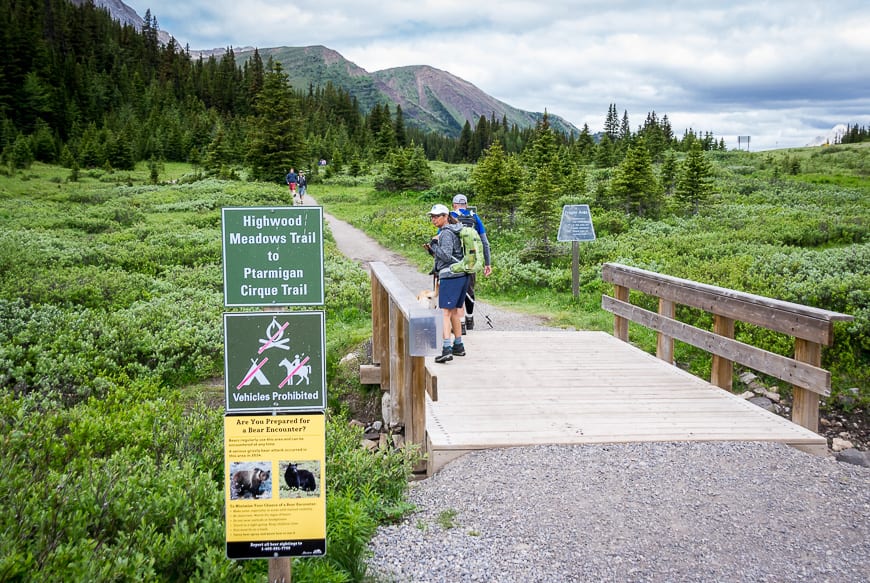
x: 469, y: 218
x: 446, y: 248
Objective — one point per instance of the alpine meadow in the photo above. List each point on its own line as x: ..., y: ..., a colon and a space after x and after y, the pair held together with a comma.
x: 117, y: 154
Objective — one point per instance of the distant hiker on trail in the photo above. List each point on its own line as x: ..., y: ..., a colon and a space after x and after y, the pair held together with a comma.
x: 292, y: 178
x: 446, y: 248
x: 469, y: 218
x: 303, y: 186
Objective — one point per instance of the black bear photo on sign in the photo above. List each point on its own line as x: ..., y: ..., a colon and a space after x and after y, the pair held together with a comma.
x: 300, y: 479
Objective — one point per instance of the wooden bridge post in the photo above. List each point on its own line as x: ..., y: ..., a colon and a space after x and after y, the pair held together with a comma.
x: 805, y: 404
x: 380, y: 330
x: 620, y: 324
x: 398, y: 381
x: 415, y: 424
x: 665, y: 344
x: 722, y: 373
x: 407, y: 379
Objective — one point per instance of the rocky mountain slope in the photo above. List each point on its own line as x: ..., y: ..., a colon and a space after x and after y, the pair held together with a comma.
x: 125, y: 15
x: 432, y: 99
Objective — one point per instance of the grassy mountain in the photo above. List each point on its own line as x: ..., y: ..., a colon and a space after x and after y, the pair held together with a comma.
x: 431, y: 99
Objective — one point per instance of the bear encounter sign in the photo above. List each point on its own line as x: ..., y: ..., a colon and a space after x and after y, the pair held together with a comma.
x: 275, y: 496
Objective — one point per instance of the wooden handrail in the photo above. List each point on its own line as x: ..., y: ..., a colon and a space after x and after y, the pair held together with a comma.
x: 810, y: 327
x: 796, y: 320
x: 393, y: 366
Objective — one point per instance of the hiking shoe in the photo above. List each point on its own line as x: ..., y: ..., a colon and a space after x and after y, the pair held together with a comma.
x: 459, y: 349
x: 446, y: 354
x: 469, y: 322
x: 463, y: 329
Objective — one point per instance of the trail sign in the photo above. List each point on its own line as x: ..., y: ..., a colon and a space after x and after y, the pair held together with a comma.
x: 273, y: 256
x: 575, y: 226
x: 275, y: 361
x: 576, y: 223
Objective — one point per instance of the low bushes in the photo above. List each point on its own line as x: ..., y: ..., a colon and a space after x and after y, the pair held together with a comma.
x: 110, y: 302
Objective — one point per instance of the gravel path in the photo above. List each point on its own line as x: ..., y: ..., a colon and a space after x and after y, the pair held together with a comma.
x: 732, y: 512
x: 669, y: 512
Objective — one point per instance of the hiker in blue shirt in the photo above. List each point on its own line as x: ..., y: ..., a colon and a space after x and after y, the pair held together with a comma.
x: 469, y: 218
x: 446, y: 248
x: 292, y: 178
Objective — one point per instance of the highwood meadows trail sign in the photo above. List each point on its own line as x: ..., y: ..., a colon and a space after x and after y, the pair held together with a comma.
x: 273, y: 256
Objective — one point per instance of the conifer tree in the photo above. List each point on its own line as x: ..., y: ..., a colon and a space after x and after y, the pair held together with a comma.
x: 463, y: 147
x: 539, y: 205
x: 585, y: 146
x: 574, y: 184
x: 668, y: 172
x: 611, y: 123
x: 275, y: 139
x: 634, y: 186
x: 496, y: 179
x: 399, y: 128
x: 407, y: 169
x: 543, y: 149
x: 604, y: 154
x: 385, y: 141
x: 695, y: 180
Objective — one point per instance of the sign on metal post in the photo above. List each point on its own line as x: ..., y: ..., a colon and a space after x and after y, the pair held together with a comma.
x: 273, y: 256
x: 274, y: 361
x: 576, y: 225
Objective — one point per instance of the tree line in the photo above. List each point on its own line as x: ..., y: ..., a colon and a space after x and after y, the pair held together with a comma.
x: 854, y: 135
x: 80, y: 89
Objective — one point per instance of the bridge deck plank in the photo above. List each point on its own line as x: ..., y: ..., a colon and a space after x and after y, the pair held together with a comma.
x: 554, y: 387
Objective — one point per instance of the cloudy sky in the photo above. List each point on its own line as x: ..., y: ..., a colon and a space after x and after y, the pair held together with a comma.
x: 783, y: 72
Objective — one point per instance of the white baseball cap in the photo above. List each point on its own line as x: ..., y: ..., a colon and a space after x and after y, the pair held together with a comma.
x: 439, y: 209
x: 460, y: 199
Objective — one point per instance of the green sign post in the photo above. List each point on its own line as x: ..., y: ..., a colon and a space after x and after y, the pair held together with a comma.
x: 274, y: 361
x: 273, y: 256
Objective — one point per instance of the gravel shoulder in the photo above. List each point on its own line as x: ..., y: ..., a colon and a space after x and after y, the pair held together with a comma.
x: 737, y: 512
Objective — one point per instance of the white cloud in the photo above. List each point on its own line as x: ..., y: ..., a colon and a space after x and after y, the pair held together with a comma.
x: 782, y: 71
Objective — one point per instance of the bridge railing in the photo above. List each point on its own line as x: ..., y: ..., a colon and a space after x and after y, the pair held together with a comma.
x: 393, y: 367
x: 810, y: 327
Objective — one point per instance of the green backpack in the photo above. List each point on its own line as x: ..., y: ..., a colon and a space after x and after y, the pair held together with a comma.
x: 472, y: 252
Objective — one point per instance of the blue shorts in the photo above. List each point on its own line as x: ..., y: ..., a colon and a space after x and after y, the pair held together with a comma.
x: 451, y: 292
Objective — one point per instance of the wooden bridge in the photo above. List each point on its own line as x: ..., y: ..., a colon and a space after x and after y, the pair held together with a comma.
x: 567, y: 387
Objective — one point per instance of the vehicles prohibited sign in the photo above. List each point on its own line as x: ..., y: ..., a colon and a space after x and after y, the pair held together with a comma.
x: 273, y: 256
x: 275, y: 361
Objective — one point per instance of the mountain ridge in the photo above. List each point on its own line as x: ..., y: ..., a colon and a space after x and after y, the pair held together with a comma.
x: 431, y: 99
